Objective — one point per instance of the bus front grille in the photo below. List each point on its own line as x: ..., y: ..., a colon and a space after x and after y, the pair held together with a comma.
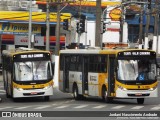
x: 34, y: 93
x: 147, y: 94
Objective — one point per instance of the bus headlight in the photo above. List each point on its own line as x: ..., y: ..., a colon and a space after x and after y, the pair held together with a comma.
x: 122, y: 88
x: 47, y: 87
x: 20, y: 89
x: 17, y: 87
x: 153, y: 88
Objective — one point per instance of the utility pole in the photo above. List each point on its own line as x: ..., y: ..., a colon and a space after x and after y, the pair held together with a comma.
x: 156, y: 18
x: 56, y: 67
x: 79, y: 33
x: 158, y: 24
x: 59, y: 9
x: 146, y: 45
x: 154, y: 46
x: 141, y: 26
x: 58, y: 30
x: 121, y: 22
x: 30, y: 26
x: 57, y: 47
x: 98, y: 34
x: 48, y: 25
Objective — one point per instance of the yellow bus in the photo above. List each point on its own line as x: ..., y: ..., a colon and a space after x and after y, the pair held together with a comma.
x: 27, y: 73
x: 110, y: 73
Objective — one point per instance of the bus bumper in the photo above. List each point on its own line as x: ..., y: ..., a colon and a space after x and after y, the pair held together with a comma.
x: 17, y: 93
x: 136, y: 93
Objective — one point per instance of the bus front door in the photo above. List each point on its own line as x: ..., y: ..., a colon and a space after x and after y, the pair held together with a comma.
x: 111, y: 78
x: 85, y: 75
x: 66, y: 74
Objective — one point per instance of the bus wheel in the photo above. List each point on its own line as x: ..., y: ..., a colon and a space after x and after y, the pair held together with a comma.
x: 46, y: 98
x: 105, y: 96
x: 140, y: 100
x: 75, y: 93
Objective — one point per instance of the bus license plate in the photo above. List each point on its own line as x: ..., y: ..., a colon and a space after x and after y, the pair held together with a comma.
x: 138, y: 94
x: 33, y: 93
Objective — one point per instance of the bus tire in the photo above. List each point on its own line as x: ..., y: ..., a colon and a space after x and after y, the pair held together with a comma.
x: 75, y: 93
x: 105, y: 96
x: 46, y: 98
x: 140, y: 100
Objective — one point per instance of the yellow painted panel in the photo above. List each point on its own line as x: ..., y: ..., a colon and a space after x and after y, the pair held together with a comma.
x: 36, y: 16
x: 40, y: 86
x: 109, y: 51
x: 83, y: 3
x: 89, y: 3
x: 101, y: 81
x: 136, y: 86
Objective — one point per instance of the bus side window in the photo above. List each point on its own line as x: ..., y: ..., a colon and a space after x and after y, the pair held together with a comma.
x: 92, y: 65
x: 153, y: 72
x: 13, y: 71
x: 103, y: 63
x: 73, y: 63
x: 79, y: 63
x: 98, y: 63
x: 49, y: 74
x: 61, y: 62
x: 53, y: 65
x: 10, y: 65
x: 7, y: 65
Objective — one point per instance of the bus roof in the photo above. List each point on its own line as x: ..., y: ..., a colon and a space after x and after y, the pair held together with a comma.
x: 12, y: 52
x: 96, y: 51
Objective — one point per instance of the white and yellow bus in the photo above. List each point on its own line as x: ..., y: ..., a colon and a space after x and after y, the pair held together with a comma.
x: 108, y: 73
x: 27, y: 73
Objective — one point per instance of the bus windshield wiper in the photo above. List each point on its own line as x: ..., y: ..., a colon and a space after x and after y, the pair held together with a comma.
x: 27, y: 65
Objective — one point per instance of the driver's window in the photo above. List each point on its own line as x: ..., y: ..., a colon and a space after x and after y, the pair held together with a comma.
x: 152, y: 72
x: 49, y: 71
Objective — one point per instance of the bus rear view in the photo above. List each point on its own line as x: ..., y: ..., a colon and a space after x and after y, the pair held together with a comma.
x: 27, y: 73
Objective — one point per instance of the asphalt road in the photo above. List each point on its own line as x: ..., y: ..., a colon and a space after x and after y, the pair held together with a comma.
x: 62, y: 104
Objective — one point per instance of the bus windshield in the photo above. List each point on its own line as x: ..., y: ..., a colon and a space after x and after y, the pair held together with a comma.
x: 32, y: 70
x: 141, y: 70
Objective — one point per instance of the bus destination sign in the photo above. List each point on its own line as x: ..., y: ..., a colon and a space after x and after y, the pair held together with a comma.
x: 136, y: 53
x: 32, y: 56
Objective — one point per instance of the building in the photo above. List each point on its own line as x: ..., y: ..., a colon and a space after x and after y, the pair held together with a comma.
x: 131, y: 12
